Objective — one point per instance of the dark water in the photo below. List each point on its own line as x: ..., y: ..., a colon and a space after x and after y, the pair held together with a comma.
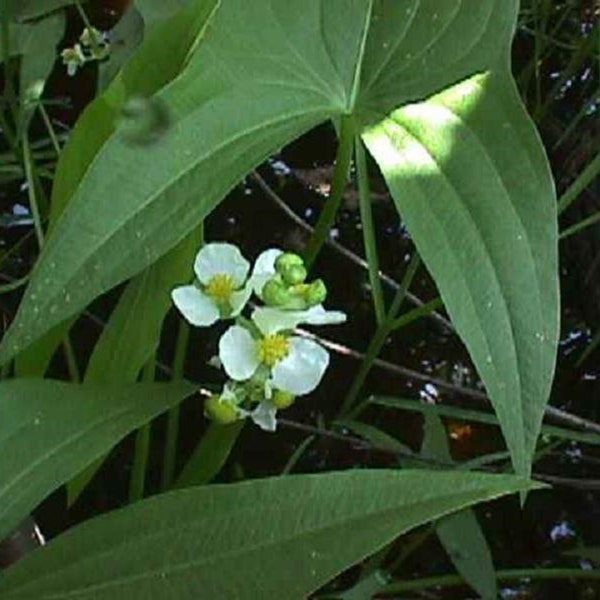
x: 552, y: 521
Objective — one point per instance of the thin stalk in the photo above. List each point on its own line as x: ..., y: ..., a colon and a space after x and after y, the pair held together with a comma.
x: 170, y: 455
x: 48, y: 124
x: 297, y: 454
x: 9, y: 73
x: 338, y: 186
x: 583, y: 224
x: 502, y: 575
x: 31, y: 192
x: 417, y: 313
x: 378, y: 339
x: 137, y: 483
x: 583, y: 180
x: 368, y: 230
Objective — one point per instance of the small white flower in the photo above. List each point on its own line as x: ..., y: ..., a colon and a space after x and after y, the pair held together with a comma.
x: 296, y: 365
x: 222, y: 291
x: 73, y: 58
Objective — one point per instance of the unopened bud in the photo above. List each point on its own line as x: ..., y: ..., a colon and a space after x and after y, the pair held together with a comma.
x: 286, y: 260
x: 220, y: 410
x: 316, y: 293
x: 274, y: 293
x: 294, y: 274
x: 282, y: 400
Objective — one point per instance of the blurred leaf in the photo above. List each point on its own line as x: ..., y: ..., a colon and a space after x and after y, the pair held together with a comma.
x: 460, y: 533
x: 591, y: 553
x: 124, y: 38
x: 273, y: 538
x: 27, y: 10
x: 155, y: 11
x: 50, y: 430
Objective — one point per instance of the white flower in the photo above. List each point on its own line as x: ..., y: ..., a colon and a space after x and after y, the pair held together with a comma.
x: 73, y: 58
x: 295, y: 365
x: 222, y: 291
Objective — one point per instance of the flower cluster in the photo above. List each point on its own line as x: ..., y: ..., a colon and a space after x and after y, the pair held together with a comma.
x: 92, y: 45
x: 267, y: 366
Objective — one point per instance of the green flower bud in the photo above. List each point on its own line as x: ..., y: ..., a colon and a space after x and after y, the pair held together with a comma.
x: 286, y: 260
x: 221, y: 411
x: 274, y: 293
x: 294, y: 274
x: 316, y: 293
x: 282, y: 400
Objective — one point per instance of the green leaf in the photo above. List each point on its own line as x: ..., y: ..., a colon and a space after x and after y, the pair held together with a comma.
x: 50, y: 430
x: 124, y: 37
x: 460, y: 533
x: 210, y: 454
x: 374, y: 435
x: 591, y: 553
x: 27, y: 10
x: 472, y: 184
x: 132, y: 333
x: 274, y: 538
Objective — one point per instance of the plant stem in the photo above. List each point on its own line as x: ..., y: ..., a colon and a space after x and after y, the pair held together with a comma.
x: 170, y: 455
x: 338, y: 186
x: 582, y: 181
x: 51, y: 132
x: 31, y: 192
x: 378, y: 339
x: 137, y: 483
x: 502, y: 575
x: 368, y: 229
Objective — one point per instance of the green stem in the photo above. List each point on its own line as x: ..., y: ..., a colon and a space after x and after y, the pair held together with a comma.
x: 378, y: 339
x: 502, y: 575
x: 170, y: 455
x: 137, y: 483
x: 338, y: 186
x: 582, y: 181
x: 31, y: 192
x: 417, y: 313
x: 51, y: 132
x: 583, y: 224
x: 368, y: 229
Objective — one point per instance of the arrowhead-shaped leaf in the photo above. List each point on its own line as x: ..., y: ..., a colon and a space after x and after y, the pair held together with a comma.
x: 274, y: 538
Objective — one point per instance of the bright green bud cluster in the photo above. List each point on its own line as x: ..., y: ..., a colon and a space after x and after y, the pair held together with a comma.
x: 288, y: 289
x: 291, y: 268
x: 220, y: 410
x: 282, y: 400
x: 275, y: 293
x: 316, y: 293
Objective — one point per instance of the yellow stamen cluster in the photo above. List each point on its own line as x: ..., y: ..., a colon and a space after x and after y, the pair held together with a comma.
x: 221, y: 287
x: 273, y: 348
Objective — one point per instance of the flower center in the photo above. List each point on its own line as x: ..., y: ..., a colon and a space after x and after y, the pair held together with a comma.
x: 273, y: 348
x: 220, y: 287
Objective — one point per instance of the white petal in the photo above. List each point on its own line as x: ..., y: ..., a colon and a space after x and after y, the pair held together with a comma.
x: 317, y: 315
x: 237, y: 351
x: 264, y: 416
x: 219, y: 259
x: 264, y: 269
x: 238, y: 300
x: 271, y: 320
x: 195, y: 306
x: 301, y: 371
